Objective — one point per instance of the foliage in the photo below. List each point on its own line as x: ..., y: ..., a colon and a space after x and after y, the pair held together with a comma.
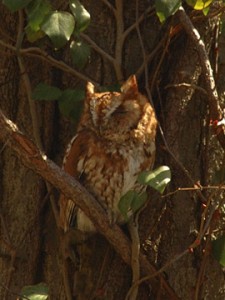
x: 46, y: 92
x: 16, y: 5
x: 165, y: 9
x: 60, y: 26
x: 157, y: 179
x: 132, y: 201
x: 80, y: 52
x: 69, y: 100
x: 81, y: 15
x: 35, y: 292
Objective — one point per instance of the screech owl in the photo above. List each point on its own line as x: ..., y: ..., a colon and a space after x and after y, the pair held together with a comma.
x: 115, y: 141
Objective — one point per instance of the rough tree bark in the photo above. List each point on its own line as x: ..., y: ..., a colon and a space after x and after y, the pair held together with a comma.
x: 29, y: 239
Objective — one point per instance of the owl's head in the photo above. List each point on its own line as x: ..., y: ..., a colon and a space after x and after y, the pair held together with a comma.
x: 114, y: 115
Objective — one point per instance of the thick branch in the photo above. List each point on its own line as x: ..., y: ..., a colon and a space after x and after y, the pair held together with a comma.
x: 37, y: 161
x: 213, y: 99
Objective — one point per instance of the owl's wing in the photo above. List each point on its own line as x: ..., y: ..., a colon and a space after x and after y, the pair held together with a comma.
x: 74, y: 155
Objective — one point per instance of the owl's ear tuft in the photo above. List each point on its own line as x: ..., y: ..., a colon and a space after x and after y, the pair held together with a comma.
x: 130, y: 87
x: 90, y: 89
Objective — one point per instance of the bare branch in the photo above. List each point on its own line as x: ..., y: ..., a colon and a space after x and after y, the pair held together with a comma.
x: 150, y: 56
x: 97, y: 48
x: 137, y: 21
x: 109, y: 5
x: 119, y: 40
x: 37, y: 52
x: 143, y: 54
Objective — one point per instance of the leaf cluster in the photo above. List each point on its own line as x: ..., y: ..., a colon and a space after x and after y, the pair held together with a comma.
x: 35, y: 292
x: 61, y: 27
x: 132, y: 201
x: 165, y: 8
x: 69, y: 100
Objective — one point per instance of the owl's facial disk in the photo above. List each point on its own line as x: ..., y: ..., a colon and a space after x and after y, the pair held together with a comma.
x: 113, y: 114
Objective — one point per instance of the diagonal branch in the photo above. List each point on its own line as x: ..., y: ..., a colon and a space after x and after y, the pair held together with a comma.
x: 97, y: 48
x: 213, y: 99
x: 31, y: 156
x: 37, y: 52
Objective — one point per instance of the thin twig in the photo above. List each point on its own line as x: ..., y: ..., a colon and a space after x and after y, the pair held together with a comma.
x: 150, y: 56
x: 165, y: 48
x: 181, y: 166
x: 143, y: 54
x: 202, y: 269
x: 137, y: 22
x: 157, y: 273
x: 102, y: 52
x: 195, y: 188
x: 208, y: 226
x: 109, y: 5
x: 37, y: 52
x: 119, y: 40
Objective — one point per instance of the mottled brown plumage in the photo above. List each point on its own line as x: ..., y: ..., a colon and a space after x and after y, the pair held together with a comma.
x: 115, y: 141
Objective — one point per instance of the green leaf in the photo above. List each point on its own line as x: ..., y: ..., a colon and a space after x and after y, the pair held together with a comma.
x: 205, y: 11
x: 157, y: 179
x: 80, y: 53
x: 59, y: 26
x: 46, y: 92
x: 33, y: 35
x: 199, y: 4
x: 71, y: 103
x: 131, y: 202
x: 14, y: 5
x: 36, y: 292
x: 81, y: 15
x: 218, y: 249
x: 36, y: 12
x: 125, y: 203
x: 138, y: 201
x: 165, y: 8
